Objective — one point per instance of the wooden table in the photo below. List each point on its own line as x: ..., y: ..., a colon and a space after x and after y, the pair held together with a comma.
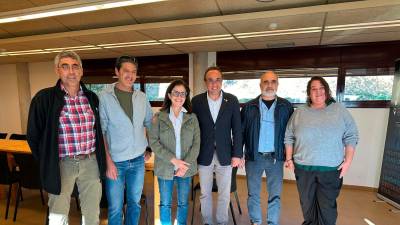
x: 15, y: 146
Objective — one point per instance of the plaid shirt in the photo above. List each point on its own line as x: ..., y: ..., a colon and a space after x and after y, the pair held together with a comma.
x: 76, y: 134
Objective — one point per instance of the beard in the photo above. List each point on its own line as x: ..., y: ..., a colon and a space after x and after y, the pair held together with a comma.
x: 269, y: 93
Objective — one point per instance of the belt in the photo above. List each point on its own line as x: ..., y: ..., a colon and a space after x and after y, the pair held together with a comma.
x: 267, y: 154
x: 81, y: 156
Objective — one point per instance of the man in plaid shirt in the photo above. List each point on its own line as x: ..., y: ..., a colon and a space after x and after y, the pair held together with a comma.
x: 64, y: 134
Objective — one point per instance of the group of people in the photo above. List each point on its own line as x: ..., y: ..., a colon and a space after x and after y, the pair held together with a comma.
x: 81, y: 138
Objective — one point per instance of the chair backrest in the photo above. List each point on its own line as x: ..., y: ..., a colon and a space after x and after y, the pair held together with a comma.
x: 18, y: 137
x: 3, y: 135
x: 29, y: 171
x: 5, y: 172
x: 233, y: 181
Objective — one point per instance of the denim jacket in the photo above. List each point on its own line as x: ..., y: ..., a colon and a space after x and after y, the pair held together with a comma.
x: 126, y: 138
x: 162, y: 142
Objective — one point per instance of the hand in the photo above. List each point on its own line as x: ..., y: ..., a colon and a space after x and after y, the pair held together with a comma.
x: 112, y: 172
x: 147, y: 156
x: 289, y: 164
x: 344, y: 167
x: 180, y: 172
x: 180, y: 164
x: 235, y: 162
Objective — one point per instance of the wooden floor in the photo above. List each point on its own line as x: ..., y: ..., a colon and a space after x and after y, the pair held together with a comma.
x: 356, y: 207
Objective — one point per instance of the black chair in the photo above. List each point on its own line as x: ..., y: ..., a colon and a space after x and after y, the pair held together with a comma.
x: 215, y: 189
x: 3, y: 135
x: 8, y: 177
x: 29, y: 177
x: 17, y: 137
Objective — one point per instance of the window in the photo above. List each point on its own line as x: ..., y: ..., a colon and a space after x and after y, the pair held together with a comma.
x: 292, y: 83
x: 368, y: 84
x: 156, y: 91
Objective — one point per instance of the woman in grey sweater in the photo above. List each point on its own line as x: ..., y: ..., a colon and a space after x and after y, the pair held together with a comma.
x: 320, y: 142
x: 175, y: 139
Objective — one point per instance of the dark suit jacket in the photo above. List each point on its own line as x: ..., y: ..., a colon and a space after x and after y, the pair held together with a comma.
x: 223, y: 136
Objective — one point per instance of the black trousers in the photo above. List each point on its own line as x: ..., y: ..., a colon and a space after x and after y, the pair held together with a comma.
x: 318, y: 192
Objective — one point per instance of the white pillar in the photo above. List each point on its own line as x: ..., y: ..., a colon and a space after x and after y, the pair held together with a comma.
x: 199, y: 62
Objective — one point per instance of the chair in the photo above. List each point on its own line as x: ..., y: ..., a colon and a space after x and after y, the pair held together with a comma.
x: 29, y: 177
x: 3, y: 135
x: 7, y: 177
x: 17, y: 137
x: 215, y: 189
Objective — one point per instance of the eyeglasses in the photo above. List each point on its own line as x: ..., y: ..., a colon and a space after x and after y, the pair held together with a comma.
x: 179, y: 94
x: 67, y: 67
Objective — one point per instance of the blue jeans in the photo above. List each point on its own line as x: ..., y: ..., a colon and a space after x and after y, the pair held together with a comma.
x: 274, y: 172
x: 166, y: 190
x: 130, y: 179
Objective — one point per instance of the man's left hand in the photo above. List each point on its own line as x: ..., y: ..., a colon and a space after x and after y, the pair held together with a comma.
x: 235, y: 162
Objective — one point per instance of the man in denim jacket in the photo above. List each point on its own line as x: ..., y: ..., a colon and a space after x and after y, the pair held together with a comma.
x: 124, y: 113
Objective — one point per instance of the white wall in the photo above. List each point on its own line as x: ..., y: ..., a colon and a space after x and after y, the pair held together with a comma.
x: 10, y: 121
x: 41, y: 75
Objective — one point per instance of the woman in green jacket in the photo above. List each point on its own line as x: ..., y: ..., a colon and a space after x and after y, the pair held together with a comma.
x: 175, y: 140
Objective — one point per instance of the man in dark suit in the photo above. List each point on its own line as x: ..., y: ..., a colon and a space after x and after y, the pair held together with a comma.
x: 218, y: 113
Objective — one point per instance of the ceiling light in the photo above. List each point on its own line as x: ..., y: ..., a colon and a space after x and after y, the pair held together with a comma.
x: 69, y: 48
x: 72, y: 9
x: 26, y: 53
x: 78, y: 49
x: 368, y: 25
x: 278, y: 32
x: 196, y: 38
x: 199, y: 40
x: 138, y: 43
x: 131, y: 45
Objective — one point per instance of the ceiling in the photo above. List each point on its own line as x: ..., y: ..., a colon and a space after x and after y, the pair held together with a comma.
x: 157, y: 23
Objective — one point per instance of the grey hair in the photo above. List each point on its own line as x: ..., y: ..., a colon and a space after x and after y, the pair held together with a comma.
x: 67, y: 54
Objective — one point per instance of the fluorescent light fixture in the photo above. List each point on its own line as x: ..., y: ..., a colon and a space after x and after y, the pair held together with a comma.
x: 78, y: 49
x: 136, y: 43
x: 200, y: 40
x: 69, y: 48
x: 368, y: 25
x: 196, y: 38
x: 127, y: 3
x: 26, y: 53
x: 369, y: 222
x: 77, y: 9
x: 132, y: 45
x: 304, y: 30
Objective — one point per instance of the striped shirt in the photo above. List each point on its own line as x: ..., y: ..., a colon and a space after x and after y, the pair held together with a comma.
x: 76, y: 134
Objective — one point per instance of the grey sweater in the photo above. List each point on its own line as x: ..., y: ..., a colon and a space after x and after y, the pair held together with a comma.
x: 320, y: 135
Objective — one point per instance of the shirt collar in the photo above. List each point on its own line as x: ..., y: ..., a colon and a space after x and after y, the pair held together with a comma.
x: 219, y: 98
x: 80, y: 92
x: 180, y: 116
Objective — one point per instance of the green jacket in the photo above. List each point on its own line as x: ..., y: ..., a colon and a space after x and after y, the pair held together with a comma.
x: 162, y: 142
